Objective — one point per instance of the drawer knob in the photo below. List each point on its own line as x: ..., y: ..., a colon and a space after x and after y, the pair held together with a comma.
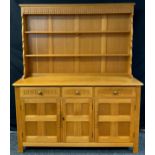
x: 77, y: 92
x: 40, y: 92
x: 115, y: 92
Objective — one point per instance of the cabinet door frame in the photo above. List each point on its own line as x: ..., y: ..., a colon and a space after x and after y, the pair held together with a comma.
x: 90, y: 119
x: 33, y: 118
x: 121, y: 118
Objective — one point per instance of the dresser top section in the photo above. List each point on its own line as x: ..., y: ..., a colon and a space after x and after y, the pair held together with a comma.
x: 95, y: 39
x: 78, y: 80
x: 77, y: 8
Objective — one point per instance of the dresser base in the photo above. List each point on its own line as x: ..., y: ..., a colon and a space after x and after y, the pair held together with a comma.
x: 82, y: 145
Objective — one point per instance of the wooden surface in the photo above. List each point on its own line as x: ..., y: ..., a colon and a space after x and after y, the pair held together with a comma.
x: 77, y: 80
x: 80, y: 5
x: 41, y: 120
x: 36, y: 144
x: 19, y: 120
x: 61, y: 116
x: 77, y: 89
x: 77, y: 116
x: 106, y: 8
x: 77, y: 120
x: 137, y: 120
x: 94, y: 39
x: 114, y: 120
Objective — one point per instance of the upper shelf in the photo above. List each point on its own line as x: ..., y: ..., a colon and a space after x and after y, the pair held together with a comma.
x: 73, y: 32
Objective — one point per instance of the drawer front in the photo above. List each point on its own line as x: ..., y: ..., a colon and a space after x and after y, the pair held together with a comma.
x: 40, y: 92
x: 115, y: 92
x: 77, y: 92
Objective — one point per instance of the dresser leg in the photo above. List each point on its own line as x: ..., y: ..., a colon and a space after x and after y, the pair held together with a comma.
x: 135, y: 149
x: 20, y: 148
x: 137, y: 119
x: 19, y: 120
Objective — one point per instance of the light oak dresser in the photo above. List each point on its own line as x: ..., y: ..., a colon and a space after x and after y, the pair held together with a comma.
x: 77, y: 89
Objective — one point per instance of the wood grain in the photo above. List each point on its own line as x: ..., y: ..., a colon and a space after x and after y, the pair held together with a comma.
x: 98, y: 43
x: 77, y: 88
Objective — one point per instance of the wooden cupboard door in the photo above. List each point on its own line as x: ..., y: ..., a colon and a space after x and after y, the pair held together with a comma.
x: 114, y: 120
x: 41, y: 120
x: 77, y: 120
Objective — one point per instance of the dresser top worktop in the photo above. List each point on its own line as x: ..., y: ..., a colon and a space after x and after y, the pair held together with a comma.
x: 78, y: 80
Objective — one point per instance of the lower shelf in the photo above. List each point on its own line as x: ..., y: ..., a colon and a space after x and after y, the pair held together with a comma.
x: 77, y: 144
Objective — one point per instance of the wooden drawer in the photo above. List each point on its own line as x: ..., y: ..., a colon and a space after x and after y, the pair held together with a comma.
x: 77, y: 92
x: 40, y: 92
x: 115, y: 92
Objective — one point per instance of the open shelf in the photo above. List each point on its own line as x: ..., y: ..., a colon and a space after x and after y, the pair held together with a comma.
x: 73, y: 32
x: 76, y: 55
x: 77, y: 44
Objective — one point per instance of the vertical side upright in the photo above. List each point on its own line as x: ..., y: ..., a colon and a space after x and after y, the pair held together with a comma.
x: 19, y: 120
x: 40, y: 124
x: 130, y: 45
x: 24, y: 46
x: 50, y: 43
x: 76, y: 29
x: 114, y: 125
x: 137, y: 119
x: 103, y: 42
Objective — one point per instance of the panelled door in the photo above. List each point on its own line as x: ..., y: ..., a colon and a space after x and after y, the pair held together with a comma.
x: 77, y: 120
x: 114, y: 120
x: 41, y: 120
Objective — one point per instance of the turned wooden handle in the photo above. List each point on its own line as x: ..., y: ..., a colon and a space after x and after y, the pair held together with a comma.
x: 77, y: 92
x: 40, y: 92
x: 63, y: 118
x: 115, y: 92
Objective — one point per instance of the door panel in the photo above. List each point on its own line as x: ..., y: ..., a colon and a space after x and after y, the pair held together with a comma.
x: 114, y: 120
x: 41, y: 120
x: 77, y: 120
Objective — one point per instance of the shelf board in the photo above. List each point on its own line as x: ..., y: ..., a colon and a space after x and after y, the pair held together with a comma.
x: 77, y: 55
x: 73, y: 32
